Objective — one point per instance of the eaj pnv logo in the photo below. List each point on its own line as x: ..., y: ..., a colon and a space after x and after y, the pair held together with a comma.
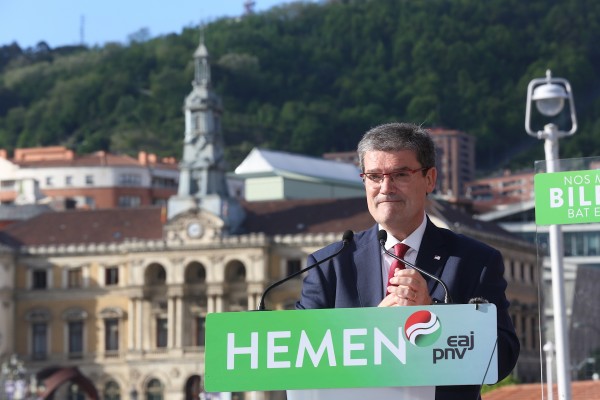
x: 422, y: 328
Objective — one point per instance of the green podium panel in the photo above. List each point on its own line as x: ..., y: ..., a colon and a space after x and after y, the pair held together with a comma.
x: 351, y: 348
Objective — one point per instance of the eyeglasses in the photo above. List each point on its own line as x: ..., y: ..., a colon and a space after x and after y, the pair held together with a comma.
x: 400, y: 176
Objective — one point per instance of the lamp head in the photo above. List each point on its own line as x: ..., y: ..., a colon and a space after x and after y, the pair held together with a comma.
x: 549, y: 98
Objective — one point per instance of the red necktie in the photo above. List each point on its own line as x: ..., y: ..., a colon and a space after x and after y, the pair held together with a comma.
x: 400, y: 250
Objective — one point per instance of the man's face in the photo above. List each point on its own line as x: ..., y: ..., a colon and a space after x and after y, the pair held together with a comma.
x: 397, y: 203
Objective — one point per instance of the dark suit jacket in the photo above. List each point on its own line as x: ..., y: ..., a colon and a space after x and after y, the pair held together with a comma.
x: 469, y: 268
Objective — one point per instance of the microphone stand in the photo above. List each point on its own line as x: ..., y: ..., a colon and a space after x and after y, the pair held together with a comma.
x: 346, y: 238
x: 382, y: 236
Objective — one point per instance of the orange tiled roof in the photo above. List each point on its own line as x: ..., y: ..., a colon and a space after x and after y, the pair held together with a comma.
x: 580, y: 390
x: 86, y: 226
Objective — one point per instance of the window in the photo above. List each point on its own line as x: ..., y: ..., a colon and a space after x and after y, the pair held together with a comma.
x: 89, y: 180
x: 49, y: 181
x: 39, y: 279
x: 68, y: 180
x: 532, y: 274
x: 200, y: 330
x: 162, y: 330
x: 90, y: 202
x: 75, y: 339
x: 111, y: 335
x: 112, y: 391
x: 111, y: 276
x: 39, y: 336
x: 154, y: 390
x: 129, y: 201
x: 293, y: 266
x: 533, y: 332
x: 130, y: 180
x: 74, y: 278
x: 7, y: 185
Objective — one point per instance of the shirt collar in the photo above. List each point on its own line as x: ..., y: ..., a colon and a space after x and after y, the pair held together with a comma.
x: 413, y: 240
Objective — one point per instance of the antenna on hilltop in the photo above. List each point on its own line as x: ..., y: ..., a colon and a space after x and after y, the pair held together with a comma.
x: 249, y: 7
x: 201, y: 33
x: 82, y: 30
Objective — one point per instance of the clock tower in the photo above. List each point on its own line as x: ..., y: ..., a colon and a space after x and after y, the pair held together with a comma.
x: 202, y: 177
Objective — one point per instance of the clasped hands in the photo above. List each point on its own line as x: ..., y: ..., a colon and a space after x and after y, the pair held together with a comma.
x: 406, y: 288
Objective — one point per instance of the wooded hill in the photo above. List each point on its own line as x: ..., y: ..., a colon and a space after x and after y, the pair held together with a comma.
x: 312, y: 77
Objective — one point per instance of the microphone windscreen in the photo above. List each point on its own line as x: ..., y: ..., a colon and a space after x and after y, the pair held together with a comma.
x: 478, y: 300
x: 348, y: 236
x: 382, y: 235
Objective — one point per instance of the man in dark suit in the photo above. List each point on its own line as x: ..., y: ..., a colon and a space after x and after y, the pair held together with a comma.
x: 398, y: 165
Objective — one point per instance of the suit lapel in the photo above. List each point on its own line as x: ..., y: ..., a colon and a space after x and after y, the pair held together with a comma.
x: 433, y: 254
x: 367, y: 262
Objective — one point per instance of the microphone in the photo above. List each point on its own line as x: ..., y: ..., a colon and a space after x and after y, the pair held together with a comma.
x: 477, y: 301
x: 382, y: 236
x: 346, y: 238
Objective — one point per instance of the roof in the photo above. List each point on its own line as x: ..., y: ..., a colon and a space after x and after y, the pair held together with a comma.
x: 533, y: 391
x: 510, y: 209
x: 86, y: 227
x: 261, y: 162
x: 460, y: 221
x: 277, y: 217
x: 11, y: 212
x: 97, y: 159
x: 280, y: 217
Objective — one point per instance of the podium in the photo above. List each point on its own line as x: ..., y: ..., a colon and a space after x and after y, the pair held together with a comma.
x: 320, y: 354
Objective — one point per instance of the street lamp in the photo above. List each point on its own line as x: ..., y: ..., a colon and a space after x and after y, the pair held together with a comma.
x: 13, y: 378
x: 14, y: 381
x: 550, y: 94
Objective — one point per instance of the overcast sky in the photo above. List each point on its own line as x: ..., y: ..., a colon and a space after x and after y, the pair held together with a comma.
x: 60, y: 22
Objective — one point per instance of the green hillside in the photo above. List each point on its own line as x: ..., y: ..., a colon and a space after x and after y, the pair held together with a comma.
x: 311, y: 78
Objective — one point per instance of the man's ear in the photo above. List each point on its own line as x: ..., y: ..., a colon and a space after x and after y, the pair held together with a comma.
x: 431, y: 178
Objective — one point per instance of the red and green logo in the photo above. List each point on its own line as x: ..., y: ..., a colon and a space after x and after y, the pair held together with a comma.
x: 422, y: 328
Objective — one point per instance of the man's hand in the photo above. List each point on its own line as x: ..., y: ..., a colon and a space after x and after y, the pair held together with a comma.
x: 407, y: 288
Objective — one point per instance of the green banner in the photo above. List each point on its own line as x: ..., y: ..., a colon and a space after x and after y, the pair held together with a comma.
x: 351, y: 348
x: 567, y: 197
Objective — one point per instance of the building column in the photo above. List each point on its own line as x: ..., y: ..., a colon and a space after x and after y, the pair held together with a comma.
x: 210, y: 303
x: 171, y: 322
x: 131, y: 319
x: 179, y: 322
x: 218, y: 303
x: 139, y: 324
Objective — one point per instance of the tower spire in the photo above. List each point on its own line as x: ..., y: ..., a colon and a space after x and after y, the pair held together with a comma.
x: 202, y: 177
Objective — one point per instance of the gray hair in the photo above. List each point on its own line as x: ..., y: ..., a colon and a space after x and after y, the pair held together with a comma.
x: 398, y: 136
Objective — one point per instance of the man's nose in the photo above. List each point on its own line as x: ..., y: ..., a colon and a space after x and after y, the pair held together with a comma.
x: 387, y: 184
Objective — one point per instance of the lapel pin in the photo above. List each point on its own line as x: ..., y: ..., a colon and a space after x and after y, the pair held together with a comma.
x: 437, y: 258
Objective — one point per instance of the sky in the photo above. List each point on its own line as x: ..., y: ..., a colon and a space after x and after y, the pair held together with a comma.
x: 60, y: 22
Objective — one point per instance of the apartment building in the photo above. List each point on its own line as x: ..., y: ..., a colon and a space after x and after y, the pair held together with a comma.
x: 498, y: 191
x: 99, y: 180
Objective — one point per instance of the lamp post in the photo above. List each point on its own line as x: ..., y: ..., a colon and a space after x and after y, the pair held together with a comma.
x: 550, y: 94
x: 13, y: 379
x: 14, y: 382
x: 549, y: 349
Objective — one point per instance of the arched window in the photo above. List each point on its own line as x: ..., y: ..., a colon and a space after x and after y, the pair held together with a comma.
x: 39, y: 319
x: 155, y: 275
x: 193, y: 388
x: 112, y: 391
x: 235, y: 272
x: 195, y: 273
x: 154, y: 390
x: 75, y: 318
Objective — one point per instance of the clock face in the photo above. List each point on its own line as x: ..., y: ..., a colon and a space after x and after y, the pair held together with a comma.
x: 194, y: 230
